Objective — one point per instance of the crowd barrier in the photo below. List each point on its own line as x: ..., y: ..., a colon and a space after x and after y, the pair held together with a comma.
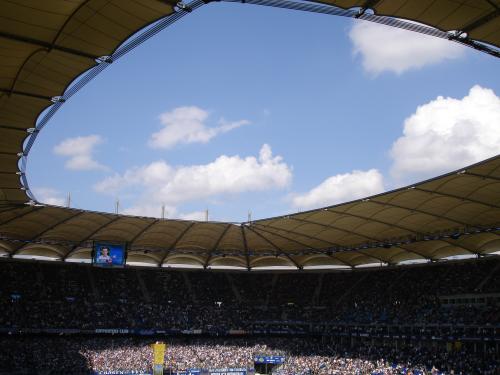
x: 214, y: 371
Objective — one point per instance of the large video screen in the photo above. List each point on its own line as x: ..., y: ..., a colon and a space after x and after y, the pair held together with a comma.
x: 109, y: 255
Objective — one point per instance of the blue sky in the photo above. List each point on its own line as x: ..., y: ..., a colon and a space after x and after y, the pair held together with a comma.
x: 239, y: 107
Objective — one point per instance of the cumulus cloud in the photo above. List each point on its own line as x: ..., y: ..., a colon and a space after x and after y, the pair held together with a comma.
x: 341, y: 188
x: 442, y: 135
x: 187, y: 125
x: 79, y: 151
x: 447, y: 134
x: 151, y: 210
x: 49, y: 196
x: 155, y: 210
x: 195, y: 215
x: 172, y: 186
x: 384, y: 48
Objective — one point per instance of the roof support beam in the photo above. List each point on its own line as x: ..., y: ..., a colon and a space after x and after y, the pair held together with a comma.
x: 216, y: 245
x: 176, y: 241
x: 20, y: 70
x: 141, y: 232
x: 89, y: 237
x: 299, y: 234
x: 33, y: 209
x: 466, y: 248
x: 266, y: 230
x: 457, y: 197
x: 481, y: 21
x: 49, y: 46
x: 336, y: 228
x: 417, y: 210
x: 357, y: 234
x: 11, y: 208
x: 23, y: 93
x: 347, y: 213
x: 39, y: 235
x: 275, y: 246
x: 483, y: 176
x: 367, y: 5
x: 345, y: 262
x: 245, y: 244
x: 68, y: 19
x: 57, y: 224
x: 304, y: 245
x: 9, y: 153
x: 22, y: 130
x: 370, y: 4
x: 373, y: 256
x: 398, y: 226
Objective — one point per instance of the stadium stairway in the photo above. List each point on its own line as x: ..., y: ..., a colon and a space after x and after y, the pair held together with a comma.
x: 90, y: 275
x: 395, y: 281
x: 350, y: 289
x: 142, y: 286
x: 189, y: 287
x: 487, y: 278
x: 273, y: 285
x: 235, y: 290
x: 317, y: 290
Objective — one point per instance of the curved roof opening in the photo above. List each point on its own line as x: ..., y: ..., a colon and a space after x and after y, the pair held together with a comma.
x: 453, y: 215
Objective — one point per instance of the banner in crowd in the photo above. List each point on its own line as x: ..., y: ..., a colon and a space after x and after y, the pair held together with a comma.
x: 214, y: 371
x: 158, y: 357
x: 227, y: 371
x: 114, y: 372
x: 189, y: 372
x: 271, y: 359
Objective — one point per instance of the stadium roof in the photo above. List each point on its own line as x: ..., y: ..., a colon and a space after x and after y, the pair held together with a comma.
x: 46, y: 45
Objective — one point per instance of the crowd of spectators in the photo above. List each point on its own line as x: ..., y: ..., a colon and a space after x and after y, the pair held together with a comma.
x: 416, y: 301
x: 302, y: 356
x: 35, y: 295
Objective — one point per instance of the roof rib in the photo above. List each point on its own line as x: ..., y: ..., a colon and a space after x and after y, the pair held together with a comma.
x: 39, y: 235
x: 245, y: 245
x: 176, y: 241
x: 23, y: 93
x: 356, y: 234
x: 141, y: 232
x: 89, y: 237
x: 280, y: 251
x: 49, y: 46
x: 214, y: 248
x: 463, y: 198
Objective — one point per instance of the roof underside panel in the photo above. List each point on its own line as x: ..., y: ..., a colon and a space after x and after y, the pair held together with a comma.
x: 411, y: 223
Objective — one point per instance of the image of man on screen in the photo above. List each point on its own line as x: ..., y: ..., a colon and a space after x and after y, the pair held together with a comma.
x: 104, y: 256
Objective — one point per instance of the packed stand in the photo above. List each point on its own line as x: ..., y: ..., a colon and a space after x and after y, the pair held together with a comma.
x: 38, y: 295
x: 302, y: 356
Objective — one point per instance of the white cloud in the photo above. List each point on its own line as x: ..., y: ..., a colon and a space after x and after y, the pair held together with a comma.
x: 341, y: 188
x: 442, y: 135
x: 384, y: 48
x: 150, y: 210
x: 187, y: 125
x: 447, y: 134
x: 195, y: 215
x: 165, y: 184
x: 49, y: 196
x: 79, y: 150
